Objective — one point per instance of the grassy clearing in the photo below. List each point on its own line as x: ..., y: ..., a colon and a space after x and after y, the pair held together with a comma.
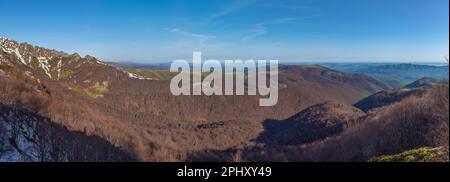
x: 425, y: 154
x: 98, y: 90
x: 164, y: 74
x: 153, y: 74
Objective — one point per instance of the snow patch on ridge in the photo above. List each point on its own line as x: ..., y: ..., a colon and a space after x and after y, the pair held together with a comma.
x: 16, y: 51
x: 135, y: 76
x: 11, y: 47
x: 132, y: 75
x: 102, y: 63
x: 43, y: 63
x: 58, y: 68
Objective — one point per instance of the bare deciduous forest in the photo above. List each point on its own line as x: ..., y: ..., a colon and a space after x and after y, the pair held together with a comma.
x: 81, y: 109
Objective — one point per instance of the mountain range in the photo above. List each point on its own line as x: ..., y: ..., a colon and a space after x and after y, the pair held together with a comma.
x: 56, y: 106
x: 394, y: 75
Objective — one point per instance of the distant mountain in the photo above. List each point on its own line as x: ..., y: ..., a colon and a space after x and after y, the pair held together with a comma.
x: 322, y: 74
x: 395, y: 75
x: 425, y: 82
x: 387, y: 97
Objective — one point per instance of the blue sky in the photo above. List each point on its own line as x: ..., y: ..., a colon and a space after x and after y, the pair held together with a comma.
x: 287, y: 30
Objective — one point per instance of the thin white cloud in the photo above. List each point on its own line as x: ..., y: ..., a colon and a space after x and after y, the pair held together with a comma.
x: 233, y: 7
x: 259, y: 30
x: 199, y: 37
x: 262, y: 28
x: 285, y: 5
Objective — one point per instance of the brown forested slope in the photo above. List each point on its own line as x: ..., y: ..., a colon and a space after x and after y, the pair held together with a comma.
x: 411, y: 123
x: 143, y: 118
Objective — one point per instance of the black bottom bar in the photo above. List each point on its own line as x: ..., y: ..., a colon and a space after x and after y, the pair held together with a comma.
x: 126, y: 171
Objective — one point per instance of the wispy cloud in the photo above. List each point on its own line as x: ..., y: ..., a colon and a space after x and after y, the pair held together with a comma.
x: 200, y: 37
x: 285, y: 5
x: 236, y: 5
x: 262, y: 28
x: 257, y: 31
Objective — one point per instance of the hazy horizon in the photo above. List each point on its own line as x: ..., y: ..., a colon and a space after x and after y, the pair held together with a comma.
x: 304, y: 62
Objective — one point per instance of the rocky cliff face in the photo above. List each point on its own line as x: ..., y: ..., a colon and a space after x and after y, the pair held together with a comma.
x: 27, y: 137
